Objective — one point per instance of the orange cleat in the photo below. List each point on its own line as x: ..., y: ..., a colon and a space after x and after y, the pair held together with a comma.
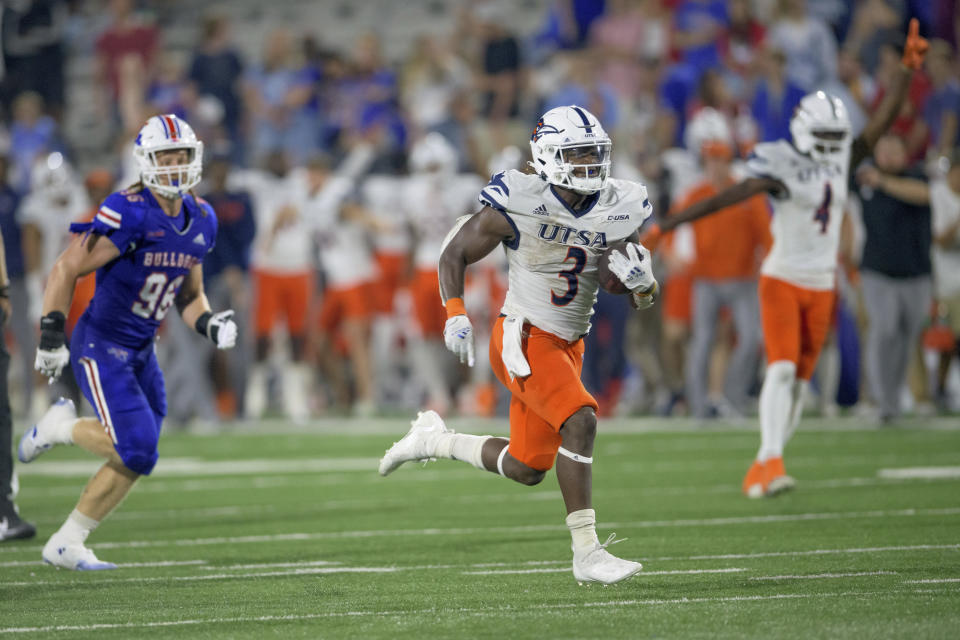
x: 754, y: 485
x: 776, y: 480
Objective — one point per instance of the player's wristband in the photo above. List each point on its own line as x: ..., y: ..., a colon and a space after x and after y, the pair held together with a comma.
x: 455, y: 307
x: 203, y: 324
x: 53, y: 331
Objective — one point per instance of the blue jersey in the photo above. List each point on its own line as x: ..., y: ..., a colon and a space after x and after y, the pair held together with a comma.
x: 136, y: 290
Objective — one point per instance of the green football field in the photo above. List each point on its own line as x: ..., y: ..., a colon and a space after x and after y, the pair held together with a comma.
x: 289, y: 532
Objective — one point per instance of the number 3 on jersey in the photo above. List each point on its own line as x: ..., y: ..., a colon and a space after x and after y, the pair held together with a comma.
x: 156, y: 296
x: 579, y: 257
x: 822, y: 214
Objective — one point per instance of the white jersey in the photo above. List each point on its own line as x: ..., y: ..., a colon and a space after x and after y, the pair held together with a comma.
x: 553, y: 254
x: 379, y: 194
x: 289, y: 250
x: 433, y: 204
x: 806, y: 219
x: 343, y: 245
x: 51, y: 211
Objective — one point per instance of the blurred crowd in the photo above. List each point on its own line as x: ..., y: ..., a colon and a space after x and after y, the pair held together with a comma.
x: 339, y: 310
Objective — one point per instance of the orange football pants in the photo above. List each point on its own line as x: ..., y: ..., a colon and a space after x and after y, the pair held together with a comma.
x: 427, y: 306
x: 340, y: 304
x: 287, y: 294
x: 796, y: 322
x: 541, y: 402
x: 391, y: 269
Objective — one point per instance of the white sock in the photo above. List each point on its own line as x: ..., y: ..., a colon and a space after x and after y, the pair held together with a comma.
x: 775, y: 407
x: 799, y: 397
x: 78, y: 526
x: 463, y: 447
x: 583, y: 528
x: 255, y: 398
x: 63, y: 431
x: 295, y: 380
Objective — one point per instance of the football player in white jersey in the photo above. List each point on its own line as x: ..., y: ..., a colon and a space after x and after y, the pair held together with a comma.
x: 806, y: 178
x: 450, y: 195
x: 554, y: 224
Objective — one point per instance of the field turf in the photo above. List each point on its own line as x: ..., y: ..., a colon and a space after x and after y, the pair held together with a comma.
x: 276, y: 532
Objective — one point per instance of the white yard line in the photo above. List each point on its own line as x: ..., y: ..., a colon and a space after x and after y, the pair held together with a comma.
x: 216, y: 576
x: 125, y: 565
x: 539, y: 495
x: 826, y: 576
x: 273, y: 565
x: 933, y: 581
x: 920, y: 473
x: 499, y: 572
x: 500, y: 610
x: 460, y: 531
x: 256, y: 482
x: 813, y: 552
x: 246, y: 483
x: 170, y: 467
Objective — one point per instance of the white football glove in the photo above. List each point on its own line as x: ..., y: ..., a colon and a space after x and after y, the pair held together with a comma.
x: 222, y: 330
x: 50, y: 363
x: 458, y: 336
x: 633, y: 269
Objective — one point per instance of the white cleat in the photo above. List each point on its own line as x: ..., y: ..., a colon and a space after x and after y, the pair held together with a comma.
x: 72, y: 555
x: 780, y: 484
x: 420, y: 443
x: 40, y: 437
x: 599, y: 565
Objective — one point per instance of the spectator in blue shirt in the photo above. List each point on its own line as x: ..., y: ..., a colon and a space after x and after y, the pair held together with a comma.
x: 32, y: 133
x: 279, y: 94
x: 775, y: 98
x: 226, y: 272
x: 698, y: 26
x: 216, y: 71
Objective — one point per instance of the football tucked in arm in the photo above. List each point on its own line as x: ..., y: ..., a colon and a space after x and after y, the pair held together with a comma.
x: 609, y: 282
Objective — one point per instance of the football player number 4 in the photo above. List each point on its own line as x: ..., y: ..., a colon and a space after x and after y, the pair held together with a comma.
x: 157, y: 296
x: 822, y: 215
x: 579, y: 257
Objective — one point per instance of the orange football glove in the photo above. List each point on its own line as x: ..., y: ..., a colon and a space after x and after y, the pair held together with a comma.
x: 651, y: 237
x: 915, y: 47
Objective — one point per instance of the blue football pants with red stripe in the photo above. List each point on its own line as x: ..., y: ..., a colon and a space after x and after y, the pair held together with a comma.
x: 125, y: 387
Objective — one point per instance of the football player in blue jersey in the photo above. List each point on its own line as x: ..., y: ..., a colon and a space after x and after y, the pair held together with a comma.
x: 146, y: 244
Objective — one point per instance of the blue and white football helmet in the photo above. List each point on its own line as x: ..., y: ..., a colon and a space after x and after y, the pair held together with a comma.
x: 163, y: 133
x: 571, y: 150
x: 821, y: 127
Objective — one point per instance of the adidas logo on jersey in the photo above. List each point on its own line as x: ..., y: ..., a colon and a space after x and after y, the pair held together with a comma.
x: 541, y: 211
x: 200, y: 239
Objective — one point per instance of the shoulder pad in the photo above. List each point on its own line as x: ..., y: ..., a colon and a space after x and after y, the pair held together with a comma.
x: 497, y: 192
x: 120, y: 210
x: 633, y: 197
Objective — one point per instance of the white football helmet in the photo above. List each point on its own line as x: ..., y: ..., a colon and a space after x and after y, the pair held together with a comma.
x: 820, y: 126
x: 163, y: 133
x: 433, y: 154
x: 571, y: 150
x: 708, y: 127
